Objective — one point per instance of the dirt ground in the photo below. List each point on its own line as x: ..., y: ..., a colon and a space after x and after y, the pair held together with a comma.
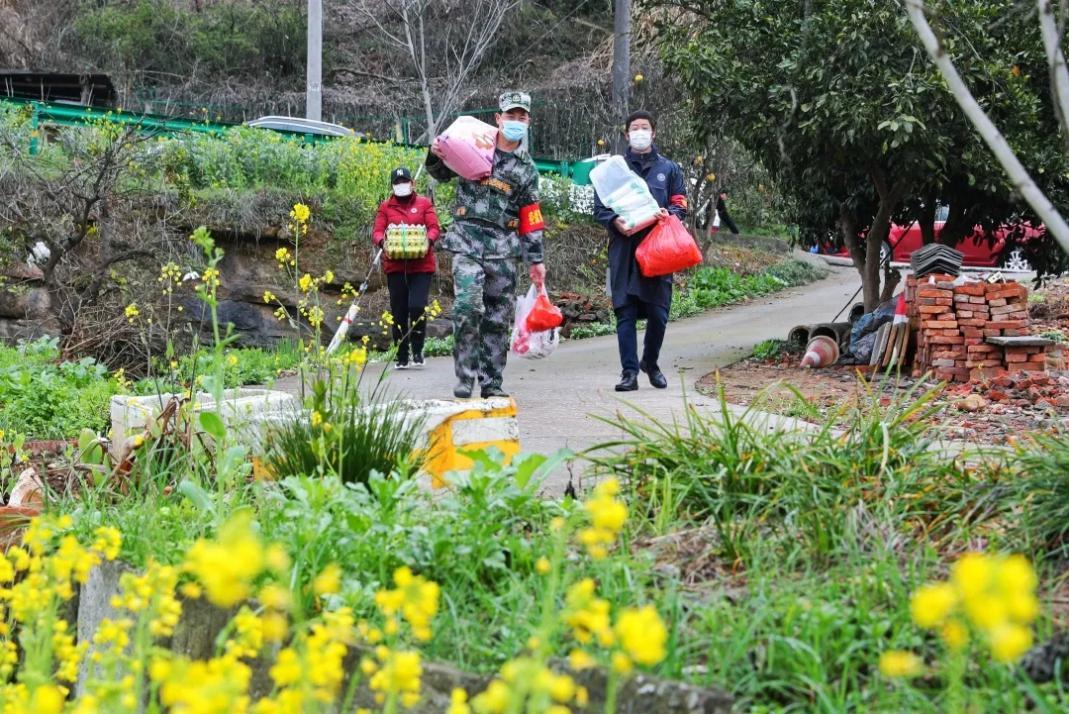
x: 982, y: 413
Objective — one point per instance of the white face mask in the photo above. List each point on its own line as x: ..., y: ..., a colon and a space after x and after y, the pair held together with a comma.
x: 640, y: 139
x: 402, y: 189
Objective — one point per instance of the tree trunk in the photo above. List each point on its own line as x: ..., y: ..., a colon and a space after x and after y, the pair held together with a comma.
x: 957, y: 226
x: 621, y: 60
x: 877, y: 235
x: 926, y: 220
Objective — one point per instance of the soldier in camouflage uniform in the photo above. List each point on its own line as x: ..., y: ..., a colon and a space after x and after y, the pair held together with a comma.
x: 496, y: 222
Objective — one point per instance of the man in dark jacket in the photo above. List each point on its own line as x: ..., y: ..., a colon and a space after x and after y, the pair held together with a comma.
x: 635, y: 296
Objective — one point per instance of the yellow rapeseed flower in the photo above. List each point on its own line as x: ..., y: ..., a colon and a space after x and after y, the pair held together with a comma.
x: 458, y: 702
x: 642, y: 634
x: 1009, y: 642
x: 580, y: 660
x: 932, y: 603
x: 899, y: 663
x: 327, y: 582
x: 542, y: 566
x: 300, y: 213
x: 131, y: 312
x: 269, y: 297
x: 226, y: 566
x: 287, y: 668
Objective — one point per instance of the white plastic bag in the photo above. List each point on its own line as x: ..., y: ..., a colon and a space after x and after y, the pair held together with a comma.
x: 625, y: 192
x: 527, y: 344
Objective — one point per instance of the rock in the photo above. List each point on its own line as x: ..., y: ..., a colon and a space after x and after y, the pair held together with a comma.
x: 971, y: 403
x: 12, y: 331
x: 28, y: 490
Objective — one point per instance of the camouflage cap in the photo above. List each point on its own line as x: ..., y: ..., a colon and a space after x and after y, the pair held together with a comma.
x: 515, y: 100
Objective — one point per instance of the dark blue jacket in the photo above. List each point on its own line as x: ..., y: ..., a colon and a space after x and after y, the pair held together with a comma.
x: 665, y: 179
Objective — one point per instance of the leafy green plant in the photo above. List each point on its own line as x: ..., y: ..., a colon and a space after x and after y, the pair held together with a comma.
x: 438, y: 346
x: 769, y: 349
x: 587, y: 330
x: 1043, y: 492
x: 347, y: 434
x: 242, y: 366
x: 45, y: 398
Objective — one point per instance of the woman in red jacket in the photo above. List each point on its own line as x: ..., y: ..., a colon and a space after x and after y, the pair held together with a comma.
x: 409, y: 281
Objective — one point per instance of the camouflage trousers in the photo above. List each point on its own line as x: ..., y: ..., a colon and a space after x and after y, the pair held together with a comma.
x: 483, y: 308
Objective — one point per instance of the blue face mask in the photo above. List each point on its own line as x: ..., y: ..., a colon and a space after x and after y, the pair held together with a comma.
x: 514, y: 130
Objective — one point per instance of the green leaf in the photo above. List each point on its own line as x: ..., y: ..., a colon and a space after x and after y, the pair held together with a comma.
x: 197, y: 495
x: 213, y: 424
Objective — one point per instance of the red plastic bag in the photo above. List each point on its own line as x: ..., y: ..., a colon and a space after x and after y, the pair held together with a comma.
x: 667, y: 249
x: 525, y: 342
x: 544, y: 315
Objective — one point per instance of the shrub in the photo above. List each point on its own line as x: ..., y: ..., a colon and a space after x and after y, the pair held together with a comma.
x: 769, y: 349
x: 347, y: 435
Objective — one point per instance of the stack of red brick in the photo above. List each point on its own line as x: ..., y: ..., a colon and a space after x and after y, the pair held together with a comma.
x: 952, y: 323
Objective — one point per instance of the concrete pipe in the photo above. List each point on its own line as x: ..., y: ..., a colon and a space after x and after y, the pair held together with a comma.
x: 798, y: 336
x: 838, y: 331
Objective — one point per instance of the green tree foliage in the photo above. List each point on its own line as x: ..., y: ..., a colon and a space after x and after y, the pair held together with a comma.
x: 839, y: 100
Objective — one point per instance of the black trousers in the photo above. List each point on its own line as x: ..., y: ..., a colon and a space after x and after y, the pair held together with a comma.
x: 408, y: 302
x: 627, y: 333
x: 725, y: 220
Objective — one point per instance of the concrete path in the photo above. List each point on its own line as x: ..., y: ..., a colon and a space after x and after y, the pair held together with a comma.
x: 557, y: 397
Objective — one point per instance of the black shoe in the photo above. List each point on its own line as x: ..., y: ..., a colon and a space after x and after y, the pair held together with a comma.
x: 417, y: 361
x: 628, y: 382
x: 488, y: 392
x: 400, y: 364
x: 657, y: 378
x: 462, y: 390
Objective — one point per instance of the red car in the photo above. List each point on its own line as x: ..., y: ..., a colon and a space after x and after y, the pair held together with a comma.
x: 978, y: 250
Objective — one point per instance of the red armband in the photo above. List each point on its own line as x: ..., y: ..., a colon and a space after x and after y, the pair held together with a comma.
x: 679, y: 200
x: 531, y: 219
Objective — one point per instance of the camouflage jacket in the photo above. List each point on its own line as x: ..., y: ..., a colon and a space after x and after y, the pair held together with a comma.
x: 487, y: 214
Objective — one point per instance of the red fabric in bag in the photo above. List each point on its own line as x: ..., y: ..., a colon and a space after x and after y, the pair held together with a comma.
x: 668, y: 248
x: 544, y: 315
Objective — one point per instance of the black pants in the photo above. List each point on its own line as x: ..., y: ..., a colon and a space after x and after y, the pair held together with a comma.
x: 627, y: 333
x: 725, y: 220
x: 408, y: 301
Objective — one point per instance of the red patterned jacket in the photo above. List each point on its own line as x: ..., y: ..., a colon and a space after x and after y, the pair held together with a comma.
x: 414, y: 210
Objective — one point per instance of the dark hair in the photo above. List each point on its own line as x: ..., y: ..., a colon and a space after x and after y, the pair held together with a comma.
x: 639, y: 114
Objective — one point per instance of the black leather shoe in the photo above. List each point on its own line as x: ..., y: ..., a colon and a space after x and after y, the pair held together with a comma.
x: 628, y: 382
x: 462, y: 390
x: 488, y: 392
x: 657, y: 378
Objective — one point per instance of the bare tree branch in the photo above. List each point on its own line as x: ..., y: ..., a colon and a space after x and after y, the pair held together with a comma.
x: 1059, y: 73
